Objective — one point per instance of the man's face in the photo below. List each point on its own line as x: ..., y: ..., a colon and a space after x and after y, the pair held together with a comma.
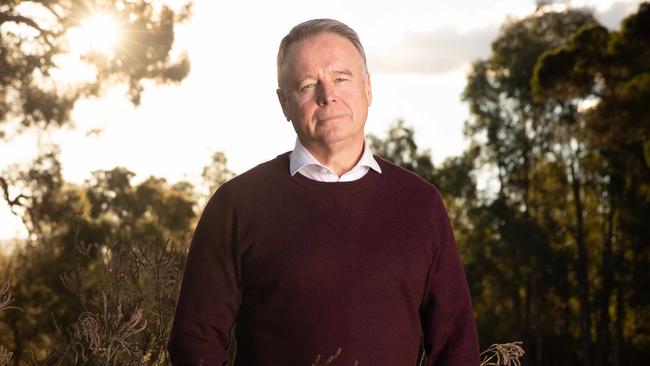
x: 325, y: 91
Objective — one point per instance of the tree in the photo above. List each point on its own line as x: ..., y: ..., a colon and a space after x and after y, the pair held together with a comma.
x: 214, y: 175
x: 38, y: 91
x: 106, y: 218
x: 400, y: 148
x: 520, y: 134
x: 556, y: 252
x: 37, y: 48
x: 36, y: 43
x: 559, y: 111
x: 609, y: 72
x: 99, y: 276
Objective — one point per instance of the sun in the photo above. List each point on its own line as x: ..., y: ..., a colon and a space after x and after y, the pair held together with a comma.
x: 102, y: 31
x: 99, y: 32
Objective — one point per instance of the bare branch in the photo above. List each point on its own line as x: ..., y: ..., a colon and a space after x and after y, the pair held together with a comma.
x: 52, y: 11
x: 6, y: 17
x: 507, y: 354
x: 11, y: 202
x: 45, y: 34
x: 5, y: 298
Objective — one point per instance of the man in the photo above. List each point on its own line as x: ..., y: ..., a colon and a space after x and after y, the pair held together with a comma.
x: 326, y: 247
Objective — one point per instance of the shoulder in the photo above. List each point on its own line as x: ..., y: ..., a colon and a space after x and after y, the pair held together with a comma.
x: 411, y: 195
x: 403, y: 178
x: 410, y: 189
x: 263, y: 179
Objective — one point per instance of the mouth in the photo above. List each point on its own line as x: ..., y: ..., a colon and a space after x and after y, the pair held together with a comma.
x: 330, y: 118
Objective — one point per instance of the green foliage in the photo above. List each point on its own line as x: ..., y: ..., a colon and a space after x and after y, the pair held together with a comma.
x: 585, y: 50
x: 36, y: 46
x: 104, y: 218
x: 214, y: 175
x: 561, y: 106
x: 400, y: 148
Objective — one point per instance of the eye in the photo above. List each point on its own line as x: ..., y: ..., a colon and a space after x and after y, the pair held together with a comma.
x: 307, y: 86
x: 340, y: 79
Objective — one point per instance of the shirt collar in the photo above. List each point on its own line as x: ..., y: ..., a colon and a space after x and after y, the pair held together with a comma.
x: 301, y: 157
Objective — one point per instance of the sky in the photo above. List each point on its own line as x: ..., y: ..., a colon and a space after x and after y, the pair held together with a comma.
x: 419, y: 53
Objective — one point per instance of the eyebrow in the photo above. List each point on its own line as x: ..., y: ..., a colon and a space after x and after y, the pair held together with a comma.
x: 343, y: 72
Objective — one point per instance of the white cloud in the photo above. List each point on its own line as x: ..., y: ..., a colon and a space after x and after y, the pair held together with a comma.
x: 449, y: 47
x: 439, y: 51
x: 614, y: 14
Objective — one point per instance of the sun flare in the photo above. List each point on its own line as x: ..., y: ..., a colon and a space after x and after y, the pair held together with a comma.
x: 99, y: 33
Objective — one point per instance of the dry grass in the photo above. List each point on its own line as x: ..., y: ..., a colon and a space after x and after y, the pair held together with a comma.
x: 506, y: 354
x: 6, y: 304
x: 132, y: 289
x: 5, y: 356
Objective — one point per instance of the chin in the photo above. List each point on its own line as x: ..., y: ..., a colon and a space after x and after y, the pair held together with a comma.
x: 336, y: 138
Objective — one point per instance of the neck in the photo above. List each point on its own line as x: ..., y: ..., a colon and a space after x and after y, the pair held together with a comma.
x: 341, y: 159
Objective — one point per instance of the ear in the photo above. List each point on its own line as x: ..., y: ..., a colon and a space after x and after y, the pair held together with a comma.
x: 282, y: 98
x: 368, y: 89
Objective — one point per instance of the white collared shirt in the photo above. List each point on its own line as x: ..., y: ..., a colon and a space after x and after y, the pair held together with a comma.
x: 303, y: 162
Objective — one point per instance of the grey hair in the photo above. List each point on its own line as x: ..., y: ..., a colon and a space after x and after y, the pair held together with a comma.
x: 317, y: 26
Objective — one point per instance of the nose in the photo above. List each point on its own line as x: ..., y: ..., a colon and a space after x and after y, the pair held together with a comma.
x: 325, y: 93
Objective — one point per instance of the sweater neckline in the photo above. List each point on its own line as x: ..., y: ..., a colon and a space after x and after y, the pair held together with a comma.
x: 368, y: 180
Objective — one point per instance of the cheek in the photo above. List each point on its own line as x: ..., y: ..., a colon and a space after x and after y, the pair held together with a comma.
x: 294, y: 110
x: 357, y: 97
x: 304, y: 111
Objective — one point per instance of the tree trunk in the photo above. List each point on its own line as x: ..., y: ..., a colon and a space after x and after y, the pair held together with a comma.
x: 581, y: 266
x: 539, y: 352
x: 620, y: 317
x: 607, y: 275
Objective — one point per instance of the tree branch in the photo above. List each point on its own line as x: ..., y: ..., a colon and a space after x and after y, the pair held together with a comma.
x: 11, y: 202
x: 51, y: 10
x: 6, y: 17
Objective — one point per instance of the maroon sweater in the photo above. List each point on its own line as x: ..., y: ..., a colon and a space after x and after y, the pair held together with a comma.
x: 305, y: 267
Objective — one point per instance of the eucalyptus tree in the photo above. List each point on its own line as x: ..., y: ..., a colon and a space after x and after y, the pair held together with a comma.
x: 535, y: 154
x: 607, y: 75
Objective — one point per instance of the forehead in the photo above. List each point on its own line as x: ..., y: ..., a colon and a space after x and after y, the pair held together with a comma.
x: 322, y: 50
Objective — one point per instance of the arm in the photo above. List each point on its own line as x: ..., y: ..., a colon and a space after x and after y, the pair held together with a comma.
x: 210, y: 293
x: 448, y: 326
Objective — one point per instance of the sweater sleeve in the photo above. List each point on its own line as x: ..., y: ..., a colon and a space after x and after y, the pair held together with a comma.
x: 448, y: 325
x: 210, y: 293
